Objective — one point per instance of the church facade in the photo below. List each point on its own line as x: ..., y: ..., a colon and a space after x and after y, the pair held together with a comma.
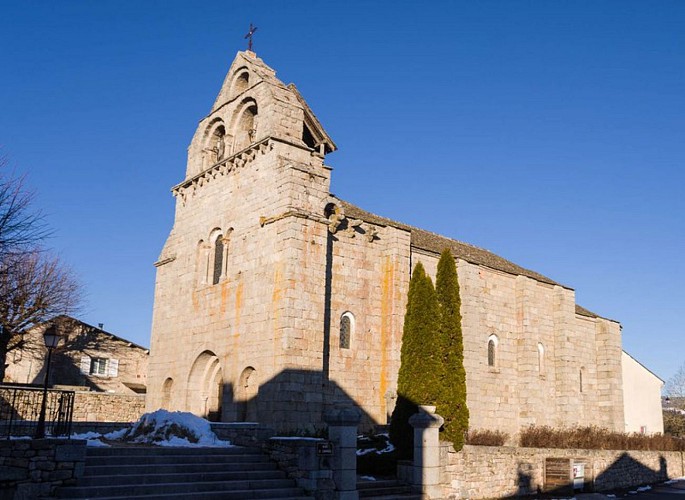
x: 275, y: 300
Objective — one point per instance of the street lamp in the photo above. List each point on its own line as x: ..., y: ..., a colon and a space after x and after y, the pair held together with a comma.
x: 51, y: 339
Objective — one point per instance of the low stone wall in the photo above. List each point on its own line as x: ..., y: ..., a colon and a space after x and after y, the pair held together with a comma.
x: 108, y: 407
x: 492, y: 472
x: 99, y: 427
x: 299, y: 459
x: 242, y: 433
x: 33, y: 468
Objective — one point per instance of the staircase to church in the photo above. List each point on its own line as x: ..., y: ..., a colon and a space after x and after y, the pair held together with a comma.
x: 204, y: 473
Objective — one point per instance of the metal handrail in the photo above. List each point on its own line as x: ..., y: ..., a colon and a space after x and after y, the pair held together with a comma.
x: 20, y: 408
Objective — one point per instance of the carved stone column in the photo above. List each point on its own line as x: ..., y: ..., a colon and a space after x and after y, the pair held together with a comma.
x: 426, y: 424
x: 342, y: 432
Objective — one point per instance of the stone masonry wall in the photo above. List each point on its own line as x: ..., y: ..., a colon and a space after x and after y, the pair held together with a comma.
x: 523, y: 389
x: 495, y: 472
x: 34, y: 468
x: 108, y: 407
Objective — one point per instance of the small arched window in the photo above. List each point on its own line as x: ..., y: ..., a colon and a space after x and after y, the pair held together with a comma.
x: 218, y: 259
x: 346, y: 330
x: 492, y: 350
x: 246, y: 126
x: 241, y: 83
x: 541, y: 358
x: 166, y: 393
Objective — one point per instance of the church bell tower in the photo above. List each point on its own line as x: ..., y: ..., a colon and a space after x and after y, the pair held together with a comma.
x: 242, y: 264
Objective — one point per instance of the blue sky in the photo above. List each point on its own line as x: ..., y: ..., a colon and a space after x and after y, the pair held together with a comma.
x: 548, y: 132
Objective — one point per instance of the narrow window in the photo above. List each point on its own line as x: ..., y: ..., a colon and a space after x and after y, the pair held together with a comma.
x: 218, y: 258
x: 541, y: 358
x: 492, y: 350
x: 580, y: 373
x: 346, y: 330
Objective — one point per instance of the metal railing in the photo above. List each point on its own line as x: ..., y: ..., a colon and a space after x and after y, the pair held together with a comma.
x: 20, y: 411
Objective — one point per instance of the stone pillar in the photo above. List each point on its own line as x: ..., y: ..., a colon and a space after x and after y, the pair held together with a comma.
x: 342, y: 432
x: 426, y: 424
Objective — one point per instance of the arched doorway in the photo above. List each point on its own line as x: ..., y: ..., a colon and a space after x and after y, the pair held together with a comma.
x: 205, y: 387
x: 247, y: 395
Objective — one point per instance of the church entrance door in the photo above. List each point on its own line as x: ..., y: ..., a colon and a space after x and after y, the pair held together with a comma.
x: 205, y: 387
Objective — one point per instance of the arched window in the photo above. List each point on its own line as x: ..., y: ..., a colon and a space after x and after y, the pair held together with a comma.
x: 492, y: 350
x: 346, y: 330
x: 246, y: 127
x: 541, y: 358
x: 241, y: 82
x: 216, y: 144
x: 580, y: 380
x: 166, y: 393
x: 218, y: 259
x: 246, y: 394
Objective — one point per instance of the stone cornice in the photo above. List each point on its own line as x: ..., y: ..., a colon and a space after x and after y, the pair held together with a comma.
x: 229, y: 164
x: 294, y: 212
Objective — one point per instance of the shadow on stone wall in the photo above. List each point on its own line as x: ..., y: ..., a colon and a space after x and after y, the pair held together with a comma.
x: 293, y: 400
x: 624, y: 472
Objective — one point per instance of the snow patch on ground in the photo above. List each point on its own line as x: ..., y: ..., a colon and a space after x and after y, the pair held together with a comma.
x: 644, y: 488
x: 162, y: 428
x: 367, y: 478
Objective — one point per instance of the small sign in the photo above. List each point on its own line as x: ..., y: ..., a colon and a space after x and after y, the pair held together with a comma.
x: 578, y: 475
x: 324, y: 449
x: 578, y: 470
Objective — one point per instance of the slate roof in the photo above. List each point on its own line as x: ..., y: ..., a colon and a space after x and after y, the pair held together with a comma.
x: 431, y: 242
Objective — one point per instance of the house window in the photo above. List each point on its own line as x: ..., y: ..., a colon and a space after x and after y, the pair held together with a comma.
x: 346, y: 330
x: 98, y: 366
x: 492, y: 350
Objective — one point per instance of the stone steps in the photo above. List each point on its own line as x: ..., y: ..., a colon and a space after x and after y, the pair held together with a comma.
x: 203, y: 473
x: 386, y: 489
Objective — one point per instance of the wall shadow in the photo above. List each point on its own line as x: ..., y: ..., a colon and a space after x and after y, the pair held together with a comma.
x: 293, y: 401
x: 625, y: 472
x: 640, y: 474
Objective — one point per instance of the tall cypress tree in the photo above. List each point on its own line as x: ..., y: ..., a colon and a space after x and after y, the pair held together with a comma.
x: 420, y: 359
x: 451, y: 402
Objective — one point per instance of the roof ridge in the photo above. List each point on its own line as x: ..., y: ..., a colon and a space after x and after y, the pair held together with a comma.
x: 495, y: 261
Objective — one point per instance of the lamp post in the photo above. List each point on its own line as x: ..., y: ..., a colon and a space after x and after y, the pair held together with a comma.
x: 51, y: 339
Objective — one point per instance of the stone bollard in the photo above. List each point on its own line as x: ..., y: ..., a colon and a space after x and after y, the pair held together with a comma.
x: 426, y: 424
x: 342, y: 432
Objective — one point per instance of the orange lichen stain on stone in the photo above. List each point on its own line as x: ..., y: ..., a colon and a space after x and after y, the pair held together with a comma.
x: 386, y: 327
x: 238, y: 310
x: 196, y: 300
x: 276, y: 298
x: 224, y: 296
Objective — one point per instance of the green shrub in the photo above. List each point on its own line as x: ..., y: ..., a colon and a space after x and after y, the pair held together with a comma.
x: 674, y: 423
x: 451, y: 400
x: 420, y: 371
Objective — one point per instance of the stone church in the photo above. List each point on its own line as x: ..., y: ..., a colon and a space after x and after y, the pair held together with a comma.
x: 276, y: 300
